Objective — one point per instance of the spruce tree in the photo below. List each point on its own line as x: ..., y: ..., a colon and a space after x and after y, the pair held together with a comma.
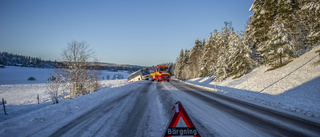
x: 221, y: 66
x: 194, y: 59
x: 312, y: 10
x: 240, y: 59
x: 178, y: 67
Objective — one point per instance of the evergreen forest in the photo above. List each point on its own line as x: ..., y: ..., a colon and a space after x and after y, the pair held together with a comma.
x: 277, y: 32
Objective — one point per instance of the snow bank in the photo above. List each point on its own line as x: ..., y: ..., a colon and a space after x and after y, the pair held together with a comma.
x: 294, y: 87
x: 21, y: 94
x: 65, y: 110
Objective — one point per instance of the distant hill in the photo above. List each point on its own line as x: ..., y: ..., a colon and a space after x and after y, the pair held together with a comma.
x: 11, y: 59
x: 116, y: 67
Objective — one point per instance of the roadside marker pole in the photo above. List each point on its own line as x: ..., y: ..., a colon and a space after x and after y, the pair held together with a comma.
x: 4, y: 107
x: 38, y: 99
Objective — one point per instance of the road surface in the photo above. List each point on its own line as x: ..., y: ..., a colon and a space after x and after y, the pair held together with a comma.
x: 146, y: 110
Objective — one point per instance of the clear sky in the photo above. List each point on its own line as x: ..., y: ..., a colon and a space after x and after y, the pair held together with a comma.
x: 137, y: 32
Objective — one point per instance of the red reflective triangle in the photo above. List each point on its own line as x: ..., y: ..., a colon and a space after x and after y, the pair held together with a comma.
x: 180, y: 113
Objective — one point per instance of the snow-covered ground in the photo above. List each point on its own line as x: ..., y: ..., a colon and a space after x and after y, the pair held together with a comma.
x: 294, y: 87
x: 21, y: 94
x: 133, y: 109
x: 65, y: 110
x: 137, y: 109
x: 144, y: 108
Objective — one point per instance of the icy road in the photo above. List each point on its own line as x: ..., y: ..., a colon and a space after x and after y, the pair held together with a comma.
x: 145, y: 110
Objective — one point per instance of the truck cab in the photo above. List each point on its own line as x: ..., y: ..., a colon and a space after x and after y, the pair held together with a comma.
x: 161, y: 73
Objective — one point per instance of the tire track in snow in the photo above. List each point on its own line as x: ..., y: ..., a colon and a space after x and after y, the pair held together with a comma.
x: 135, y: 114
x: 204, y: 131
x: 269, y: 121
x: 99, y: 120
x: 87, y: 118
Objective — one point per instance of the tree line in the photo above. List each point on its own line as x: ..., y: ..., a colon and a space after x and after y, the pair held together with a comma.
x: 10, y: 59
x: 276, y: 33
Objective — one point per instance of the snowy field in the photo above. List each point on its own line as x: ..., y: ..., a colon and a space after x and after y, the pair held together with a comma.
x: 21, y: 94
x: 294, y: 87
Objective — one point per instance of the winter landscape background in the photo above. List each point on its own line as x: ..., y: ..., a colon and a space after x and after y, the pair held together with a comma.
x: 276, y: 33
x: 291, y: 89
x: 274, y: 64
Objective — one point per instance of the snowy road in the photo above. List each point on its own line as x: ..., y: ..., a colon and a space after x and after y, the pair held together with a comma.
x: 146, y: 109
x: 119, y: 116
x: 231, y: 117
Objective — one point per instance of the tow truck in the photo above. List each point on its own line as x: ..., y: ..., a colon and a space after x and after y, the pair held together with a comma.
x: 161, y: 73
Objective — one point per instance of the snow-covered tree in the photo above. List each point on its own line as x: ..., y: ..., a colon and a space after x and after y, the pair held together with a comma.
x: 312, y: 10
x: 81, y: 79
x: 185, y: 72
x: 280, y: 45
x: 240, y: 56
x: 224, y: 54
x: 221, y: 66
x: 179, y: 65
x: 194, y: 59
x: 209, y: 54
x: 278, y: 31
x: 56, y: 85
x: 262, y: 18
x: 10, y: 59
x: 281, y: 28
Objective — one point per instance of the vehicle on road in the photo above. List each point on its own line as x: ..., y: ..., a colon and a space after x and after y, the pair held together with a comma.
x: 141, y: 74
x: 161, y: 73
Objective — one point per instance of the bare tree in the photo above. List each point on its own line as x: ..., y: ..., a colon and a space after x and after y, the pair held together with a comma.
x: 55, y: 85
x: 81, y: 78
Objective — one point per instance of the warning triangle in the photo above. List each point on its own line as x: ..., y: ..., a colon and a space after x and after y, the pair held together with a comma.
x: 180, y: 124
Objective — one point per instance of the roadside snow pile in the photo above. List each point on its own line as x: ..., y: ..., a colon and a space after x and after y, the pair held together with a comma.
x: 65, y: 111
x: 112, y: 83
x: 21, y: 94
x: 294, y: 87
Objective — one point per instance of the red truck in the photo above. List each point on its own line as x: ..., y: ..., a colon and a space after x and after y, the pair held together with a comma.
x: 161, y: 73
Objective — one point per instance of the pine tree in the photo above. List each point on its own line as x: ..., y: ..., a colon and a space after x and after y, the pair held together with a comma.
x: 258, y: 27
x: 241, y: 62
x: 279, y: 47
x: 209, y: 54
x: 178, y: 67
x: 260, y: 20
x: 185, y: 72
x: 221, y: 67
x: 312, y: 9
x: 194, y: 59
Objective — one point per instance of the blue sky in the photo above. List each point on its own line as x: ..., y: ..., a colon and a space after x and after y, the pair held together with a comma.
x: 137, y: 32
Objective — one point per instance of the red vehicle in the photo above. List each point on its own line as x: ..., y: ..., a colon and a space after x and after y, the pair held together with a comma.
x: 161, y: 73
